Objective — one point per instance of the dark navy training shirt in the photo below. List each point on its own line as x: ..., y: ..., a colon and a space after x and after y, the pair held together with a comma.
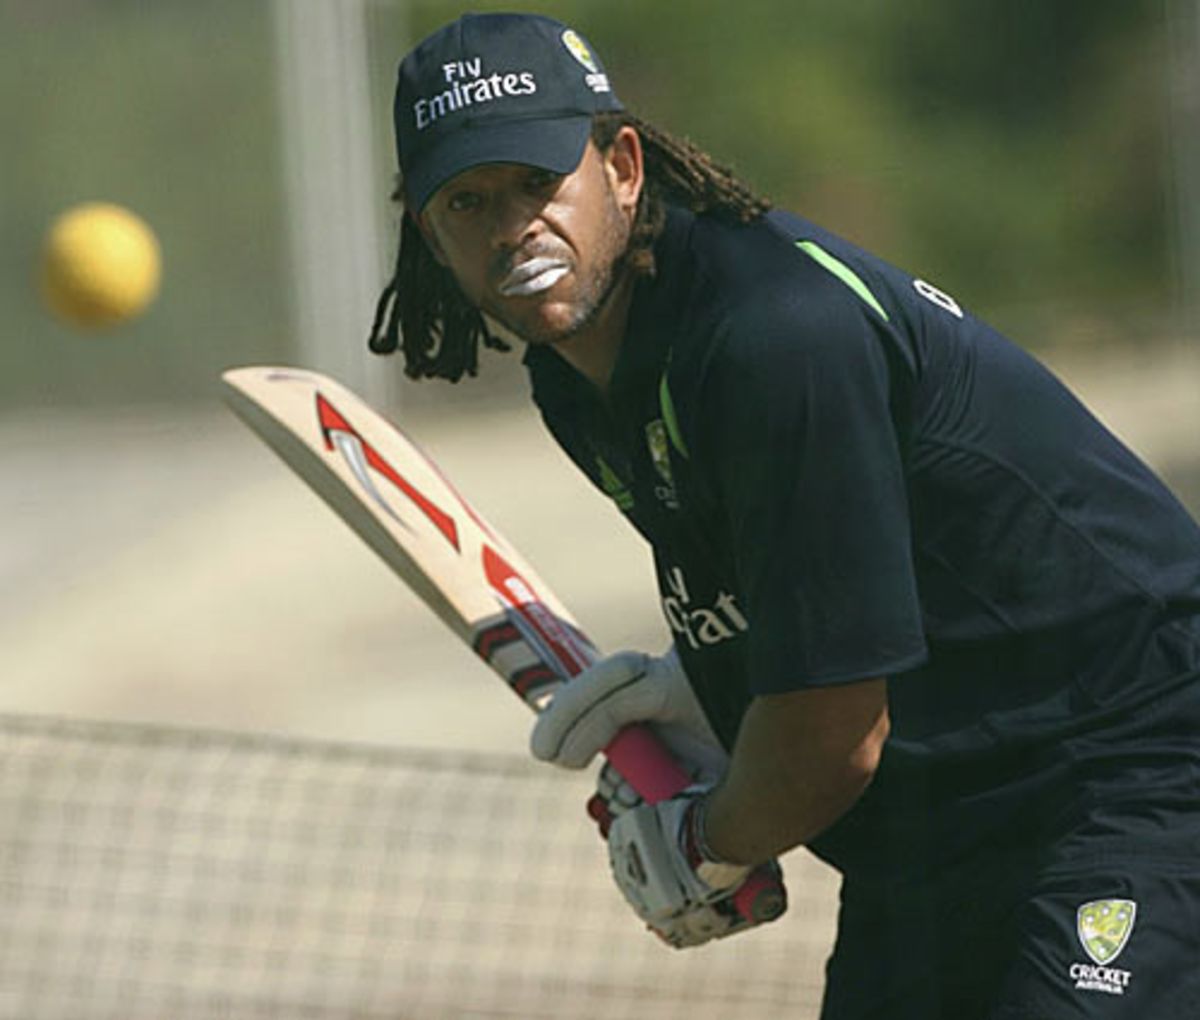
x: 844, y: 475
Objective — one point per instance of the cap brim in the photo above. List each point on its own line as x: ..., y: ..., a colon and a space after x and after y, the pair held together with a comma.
x: 554, y: 144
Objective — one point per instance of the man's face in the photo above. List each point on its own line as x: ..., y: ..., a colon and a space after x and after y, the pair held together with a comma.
x: 537, y: 251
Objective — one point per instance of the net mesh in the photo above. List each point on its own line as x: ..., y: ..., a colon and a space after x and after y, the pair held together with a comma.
x: 149, y: 872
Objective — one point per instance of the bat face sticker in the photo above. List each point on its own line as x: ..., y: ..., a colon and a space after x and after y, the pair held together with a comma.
x: 361, y: 455
x: 561, y: 653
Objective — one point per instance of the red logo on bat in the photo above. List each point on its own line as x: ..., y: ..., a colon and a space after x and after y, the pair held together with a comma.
x: 358, y: 453
x: 554, y: 636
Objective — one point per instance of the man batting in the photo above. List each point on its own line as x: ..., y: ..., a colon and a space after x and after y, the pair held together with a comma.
x: 931, y: 619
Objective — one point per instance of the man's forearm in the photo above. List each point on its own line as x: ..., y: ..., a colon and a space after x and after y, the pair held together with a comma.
x: 801, y: 761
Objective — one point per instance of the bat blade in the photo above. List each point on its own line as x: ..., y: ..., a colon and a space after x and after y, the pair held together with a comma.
x: 395, y: 498
x: 379, y: 481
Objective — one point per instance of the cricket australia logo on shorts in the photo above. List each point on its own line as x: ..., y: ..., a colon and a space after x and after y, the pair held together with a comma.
x: 703, y: 625
x: 1103, y: 927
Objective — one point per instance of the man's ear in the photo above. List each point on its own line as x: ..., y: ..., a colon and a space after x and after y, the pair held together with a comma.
x: 625, y: 169
x: 428, y: 236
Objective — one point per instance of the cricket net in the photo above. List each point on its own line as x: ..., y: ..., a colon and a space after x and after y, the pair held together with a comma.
x: 149, y: 873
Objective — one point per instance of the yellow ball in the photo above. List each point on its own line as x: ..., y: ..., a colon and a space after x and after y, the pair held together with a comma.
x: 101, y: 265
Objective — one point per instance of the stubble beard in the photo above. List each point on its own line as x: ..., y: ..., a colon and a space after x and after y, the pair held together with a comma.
x: 593, y: 291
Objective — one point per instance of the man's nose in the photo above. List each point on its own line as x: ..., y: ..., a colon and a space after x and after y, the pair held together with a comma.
x: 514, y: 221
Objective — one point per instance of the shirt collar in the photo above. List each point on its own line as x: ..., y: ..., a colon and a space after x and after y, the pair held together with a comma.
x: 654, y: 315
x: 655, y: 312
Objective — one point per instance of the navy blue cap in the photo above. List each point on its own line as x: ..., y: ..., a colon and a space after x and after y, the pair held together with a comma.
x: 495, y: 88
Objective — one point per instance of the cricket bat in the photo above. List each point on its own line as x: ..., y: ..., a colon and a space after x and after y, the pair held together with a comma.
x: 397, y: 500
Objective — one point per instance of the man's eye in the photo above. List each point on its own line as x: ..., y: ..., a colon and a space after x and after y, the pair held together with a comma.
x: 463, y: 201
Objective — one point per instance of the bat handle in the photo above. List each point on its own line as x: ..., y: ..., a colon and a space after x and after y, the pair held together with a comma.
x: 646, y: 764
x: 762, y: 897
x: 654, y: 773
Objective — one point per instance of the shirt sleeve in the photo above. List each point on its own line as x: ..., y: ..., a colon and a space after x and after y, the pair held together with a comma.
x: 801, y: 446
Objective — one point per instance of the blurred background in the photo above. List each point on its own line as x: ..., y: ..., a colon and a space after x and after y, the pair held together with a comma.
x: 1040, y: 162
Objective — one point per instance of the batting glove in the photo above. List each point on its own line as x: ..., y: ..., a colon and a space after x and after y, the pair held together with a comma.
x: 683, y: 891
x: 586, y: 713
x: 613, y: 797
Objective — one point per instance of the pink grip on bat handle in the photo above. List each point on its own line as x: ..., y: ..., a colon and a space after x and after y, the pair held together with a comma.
x: 646, y: 765
x: 655, y: 774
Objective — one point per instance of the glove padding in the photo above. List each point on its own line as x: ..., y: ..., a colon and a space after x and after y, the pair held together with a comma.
x: 629, y: 687
x: 662, y: 867
x: 613, y: 797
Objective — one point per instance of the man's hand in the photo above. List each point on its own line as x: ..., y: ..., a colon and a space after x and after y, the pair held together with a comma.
x: 613, y: 797
x: 700, y: 924
x: 628, y: 687
x: 663, y: 867
x: 687, y: 899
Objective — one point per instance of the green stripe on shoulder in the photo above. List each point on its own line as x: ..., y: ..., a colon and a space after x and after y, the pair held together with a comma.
x: 616, y: 489
x: 667, y: 405
x: 844, y: 273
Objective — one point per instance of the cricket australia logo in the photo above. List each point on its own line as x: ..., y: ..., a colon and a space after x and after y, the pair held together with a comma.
x: 660, y: 454
x: 1103, y: 927
x: 596, y: 79
x: 701, y: 625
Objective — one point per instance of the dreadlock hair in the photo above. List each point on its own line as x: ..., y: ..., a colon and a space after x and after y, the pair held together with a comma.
x: 423, y: 310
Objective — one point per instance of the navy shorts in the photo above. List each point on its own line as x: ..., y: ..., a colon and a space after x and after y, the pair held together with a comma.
x: 1113, y: 937
x: 1097, y: 918
x: 1109, y: 936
